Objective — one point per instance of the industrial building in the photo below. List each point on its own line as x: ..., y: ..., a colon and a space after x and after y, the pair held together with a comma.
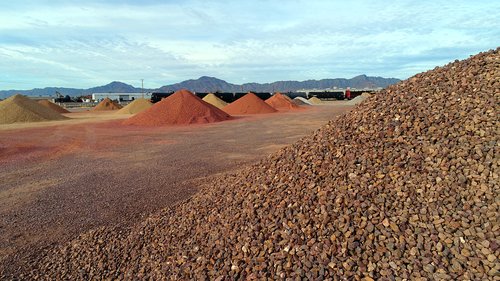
x: 120, y: 96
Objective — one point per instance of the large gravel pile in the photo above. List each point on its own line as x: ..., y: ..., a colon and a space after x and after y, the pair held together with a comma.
x: 181, y: 108
x: 406, y: 186
x: 53, y: 106
x: 21, y: 109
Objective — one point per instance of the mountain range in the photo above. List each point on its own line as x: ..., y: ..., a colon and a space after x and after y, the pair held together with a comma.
x: 212, y: 84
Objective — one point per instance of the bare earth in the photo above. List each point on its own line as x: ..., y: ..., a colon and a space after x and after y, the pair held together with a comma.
x: 59, y: 179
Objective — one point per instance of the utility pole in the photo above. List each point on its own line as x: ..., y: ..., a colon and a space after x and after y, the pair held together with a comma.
x: 142, y: 88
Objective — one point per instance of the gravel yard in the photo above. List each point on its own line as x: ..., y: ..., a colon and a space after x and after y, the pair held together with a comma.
x: 404, y: 187
x: 62, y: 179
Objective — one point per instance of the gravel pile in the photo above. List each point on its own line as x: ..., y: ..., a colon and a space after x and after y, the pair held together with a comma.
x: 282, y: 102
x: 107, y: 104
x: 315, y: 100
x: 181, y: 108
x: 301, y: 101
x: 214, y: 100
x: 20, y: 109
x: 53, y: 106
x: 138, y: 105
x: 248, y: 104
x: 406, y: 186
x: 359, y: 99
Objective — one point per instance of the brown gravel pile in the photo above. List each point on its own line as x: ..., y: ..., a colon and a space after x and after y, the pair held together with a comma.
x: 406, y: 186
x: 20, y: 109
x: 107, y: 104
x: 53, y: 106
x: 248, y: 104
x: 282, y: 102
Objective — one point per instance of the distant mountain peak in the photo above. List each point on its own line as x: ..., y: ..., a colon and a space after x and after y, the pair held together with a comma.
x: 117, y: 83
x: 213, y: 84
x: 208, y: 78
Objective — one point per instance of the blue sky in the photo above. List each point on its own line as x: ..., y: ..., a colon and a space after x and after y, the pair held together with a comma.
x: 83, y: 44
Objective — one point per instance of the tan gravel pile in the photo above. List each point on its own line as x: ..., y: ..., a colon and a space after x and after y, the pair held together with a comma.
x: 53, y: 106
x: 214, y: 100
x: 358, y: 99
x: 404, y: 187
x: 20, y: 109
x: 136, y: 106
x: 315, y: 100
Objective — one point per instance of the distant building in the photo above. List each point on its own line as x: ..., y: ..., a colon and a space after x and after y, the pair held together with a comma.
x: 120, y: 96
x: 37, y: 98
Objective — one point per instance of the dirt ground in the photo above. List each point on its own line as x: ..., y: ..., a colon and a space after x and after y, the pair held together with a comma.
x: 59, y: 179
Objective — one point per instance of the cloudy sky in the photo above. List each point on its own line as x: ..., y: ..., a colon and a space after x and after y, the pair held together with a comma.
x: 89, y: 43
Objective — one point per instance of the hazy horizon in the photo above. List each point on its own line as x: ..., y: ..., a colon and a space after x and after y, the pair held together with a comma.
x: 83, y: 44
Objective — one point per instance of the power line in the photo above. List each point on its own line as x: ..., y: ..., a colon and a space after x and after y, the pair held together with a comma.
x: 142, y: 88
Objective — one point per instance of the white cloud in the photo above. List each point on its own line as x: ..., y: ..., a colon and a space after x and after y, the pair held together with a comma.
x: 87, y: 43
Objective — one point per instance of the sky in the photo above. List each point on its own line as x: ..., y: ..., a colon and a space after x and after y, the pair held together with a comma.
x: 82, y: 44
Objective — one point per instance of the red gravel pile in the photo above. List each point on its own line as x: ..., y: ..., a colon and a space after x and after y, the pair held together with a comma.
x: 107, y: 104
x: 181, y: 108
x: 404, y: 187
x: 248, y: 104
x: 53, y: 106
x: 282, y: 102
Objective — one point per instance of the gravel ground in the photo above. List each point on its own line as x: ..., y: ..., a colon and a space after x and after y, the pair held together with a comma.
x: 406, y: 187
x: 61, y: 180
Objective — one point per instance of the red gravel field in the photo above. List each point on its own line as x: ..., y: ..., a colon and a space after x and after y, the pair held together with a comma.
x: 60, y: 179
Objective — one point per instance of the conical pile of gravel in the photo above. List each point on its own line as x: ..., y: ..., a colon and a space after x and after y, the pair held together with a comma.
x: 53, y: 106
x: 315, y: 100
x: 20, y: 109
x: 282, y: 102
x: 181, y: 108
x: 248, y: 104
x: 136, y: 106
x: 404, y: 187
x: 107, y: 104
x: 214, y: 100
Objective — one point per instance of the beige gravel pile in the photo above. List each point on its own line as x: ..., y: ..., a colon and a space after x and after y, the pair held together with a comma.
x: 315, y: 100
x: 358, y: 99
x: 20, y: 109
x: 214, y: 100
x: 138, y: 105
x: 406, y: 186
x: 53, y: 106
